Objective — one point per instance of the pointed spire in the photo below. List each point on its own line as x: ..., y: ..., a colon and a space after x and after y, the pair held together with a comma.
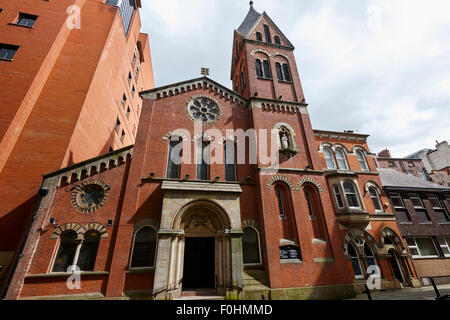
x: 249, y: 21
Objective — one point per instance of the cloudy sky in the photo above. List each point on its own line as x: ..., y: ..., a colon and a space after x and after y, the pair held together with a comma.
x: 378, y: 67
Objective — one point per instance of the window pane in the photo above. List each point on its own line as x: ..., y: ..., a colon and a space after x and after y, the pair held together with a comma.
x: 338, y: 197
x: 250, y: 246
x: 402, y: 216
x: 287, y: 73
x: 375, y: 199
x: 144, y: 249
x: 279, y: 71
x: 329, y: 158
x: 441, y: 215
x: 362, y: 160
x: 342, y: 162
x: 267, y: 73
x: 351, y: 194
x: 422, y: 216
x: 230, y: 166
x: 66, y: 252
x: 174, y: 161
x: 280, y: 201
x: 88, y: 252
x: 203, y: 163
x: 267, y: 33
x: 426, y: 247
x: 259, y: 69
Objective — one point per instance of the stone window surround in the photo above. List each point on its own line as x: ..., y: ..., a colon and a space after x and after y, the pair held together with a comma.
x: 138, y: 227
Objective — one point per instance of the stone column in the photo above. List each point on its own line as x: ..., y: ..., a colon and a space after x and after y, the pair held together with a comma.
x: 165, y: 260
x: 237, y: 265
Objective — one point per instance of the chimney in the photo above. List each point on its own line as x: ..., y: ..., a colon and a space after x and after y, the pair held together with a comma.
x: 385, y: 154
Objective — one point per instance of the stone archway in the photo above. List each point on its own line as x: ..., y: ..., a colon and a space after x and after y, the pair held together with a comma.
x: 198, y: 219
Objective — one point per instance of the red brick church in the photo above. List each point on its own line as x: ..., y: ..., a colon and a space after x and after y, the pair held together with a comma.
x: 226, y: 220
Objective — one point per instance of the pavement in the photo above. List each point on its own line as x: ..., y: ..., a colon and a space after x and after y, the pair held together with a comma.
x: 424, y: 293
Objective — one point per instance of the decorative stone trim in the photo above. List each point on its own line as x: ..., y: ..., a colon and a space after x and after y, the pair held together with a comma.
x: 251, y: 223
x: 68, y: 227
x: 78, y: 189
x: 388, y: 232
x: 364, y: 237
x: 183, y: 134
x: 276, y: 178
x: 146, y: 222
x: 199, y: 83
x: 304, y: 180
x: 280, y: 107
x: 80, y: 230
x: 199, y: 96
x: 96, y: 227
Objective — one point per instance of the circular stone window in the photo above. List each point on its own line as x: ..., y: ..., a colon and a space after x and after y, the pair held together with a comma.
x: 90, y: 196
x: 203, y: 109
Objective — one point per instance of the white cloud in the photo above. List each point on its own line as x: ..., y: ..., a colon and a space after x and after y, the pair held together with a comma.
x: 378, y: 66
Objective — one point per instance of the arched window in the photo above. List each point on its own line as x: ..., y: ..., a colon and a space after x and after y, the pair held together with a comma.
x: 341, y: 159
x: 250, y: 246
x: 351, y: 194
x: 370, y: 257
x: 259, y: 68
x: 88, y: 253
x: 259, y: 36
x: 281, y: 200
x: 230, y: 161
x: 174, y: 158
x: 267, y: 33
x: 356, y: 263
x: 287, y: 72
x: 66, y: 252
x: 375, y: 199
x: 267, y: 72
x: 279, y: 71
x: 243, y: 81
x: 329, y: 158
x: 277, y: 40
x: 144, y: 248
x: 203, y: 156
x: 315, y: 212
x: 362, y: 160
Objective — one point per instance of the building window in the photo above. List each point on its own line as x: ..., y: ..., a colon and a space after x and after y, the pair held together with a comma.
x: 329, y: 158
x: 410, y: 173
x: 362, y: 160
x: 351, y: 195
x: 66, y: 252
x: 356, y: 263
x: 259, y: 36
x: 445, y: 246
x: 399, y: 206
x: 279, y: 71
x: 88, y: 252
x: 144, y: 248
x: 287, y: 72
x: 267, y: 33
x: 122, y: 136
x: 338, y: 196
x: 174, y: 158
x: 315, y: 211
x: 7, y: 51
x: 250, y: 246
x: 243, y: 81
x: 439, y: 209
x: 422, y: 248
x: 230, y: 161
x: 126, y: 8
x: 130, y: 77
x: 277, y: 40
x: 267, y: 73
x: 370, y: 257
x: 259, y: 69
x: 138, y: 69
x: 128, y: 112
x: 280, y: 199
x: 116, y: 128
x: 133, y: 90
x: 422, y: 175
x: 341, y: 159
x: 203, y: 160
x: 124, y: 99
x: 26, y: 20
x: 421, y: 212
x: 375, y: 199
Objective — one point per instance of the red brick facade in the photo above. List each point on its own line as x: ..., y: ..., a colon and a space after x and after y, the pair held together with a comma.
x: 303, y: 234
x: 61, y: 98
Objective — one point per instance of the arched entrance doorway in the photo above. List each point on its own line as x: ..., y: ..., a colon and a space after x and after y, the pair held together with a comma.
x: 201, y: 251
x: 396, y: 268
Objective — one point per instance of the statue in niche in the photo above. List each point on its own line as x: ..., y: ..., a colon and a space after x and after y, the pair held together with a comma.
x: 286, y: 140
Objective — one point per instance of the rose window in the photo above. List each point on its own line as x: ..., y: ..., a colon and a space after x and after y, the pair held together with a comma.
x: 204, y: 110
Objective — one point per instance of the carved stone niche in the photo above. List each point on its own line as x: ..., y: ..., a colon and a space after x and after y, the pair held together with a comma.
x: 287, y: 145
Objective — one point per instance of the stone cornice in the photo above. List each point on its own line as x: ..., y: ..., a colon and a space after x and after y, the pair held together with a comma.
x: 342, y: 136
x: 201, y: 186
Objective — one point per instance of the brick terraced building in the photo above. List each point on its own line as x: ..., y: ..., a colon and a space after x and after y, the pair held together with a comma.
x: 71, y: 72
x: 137, y: 222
